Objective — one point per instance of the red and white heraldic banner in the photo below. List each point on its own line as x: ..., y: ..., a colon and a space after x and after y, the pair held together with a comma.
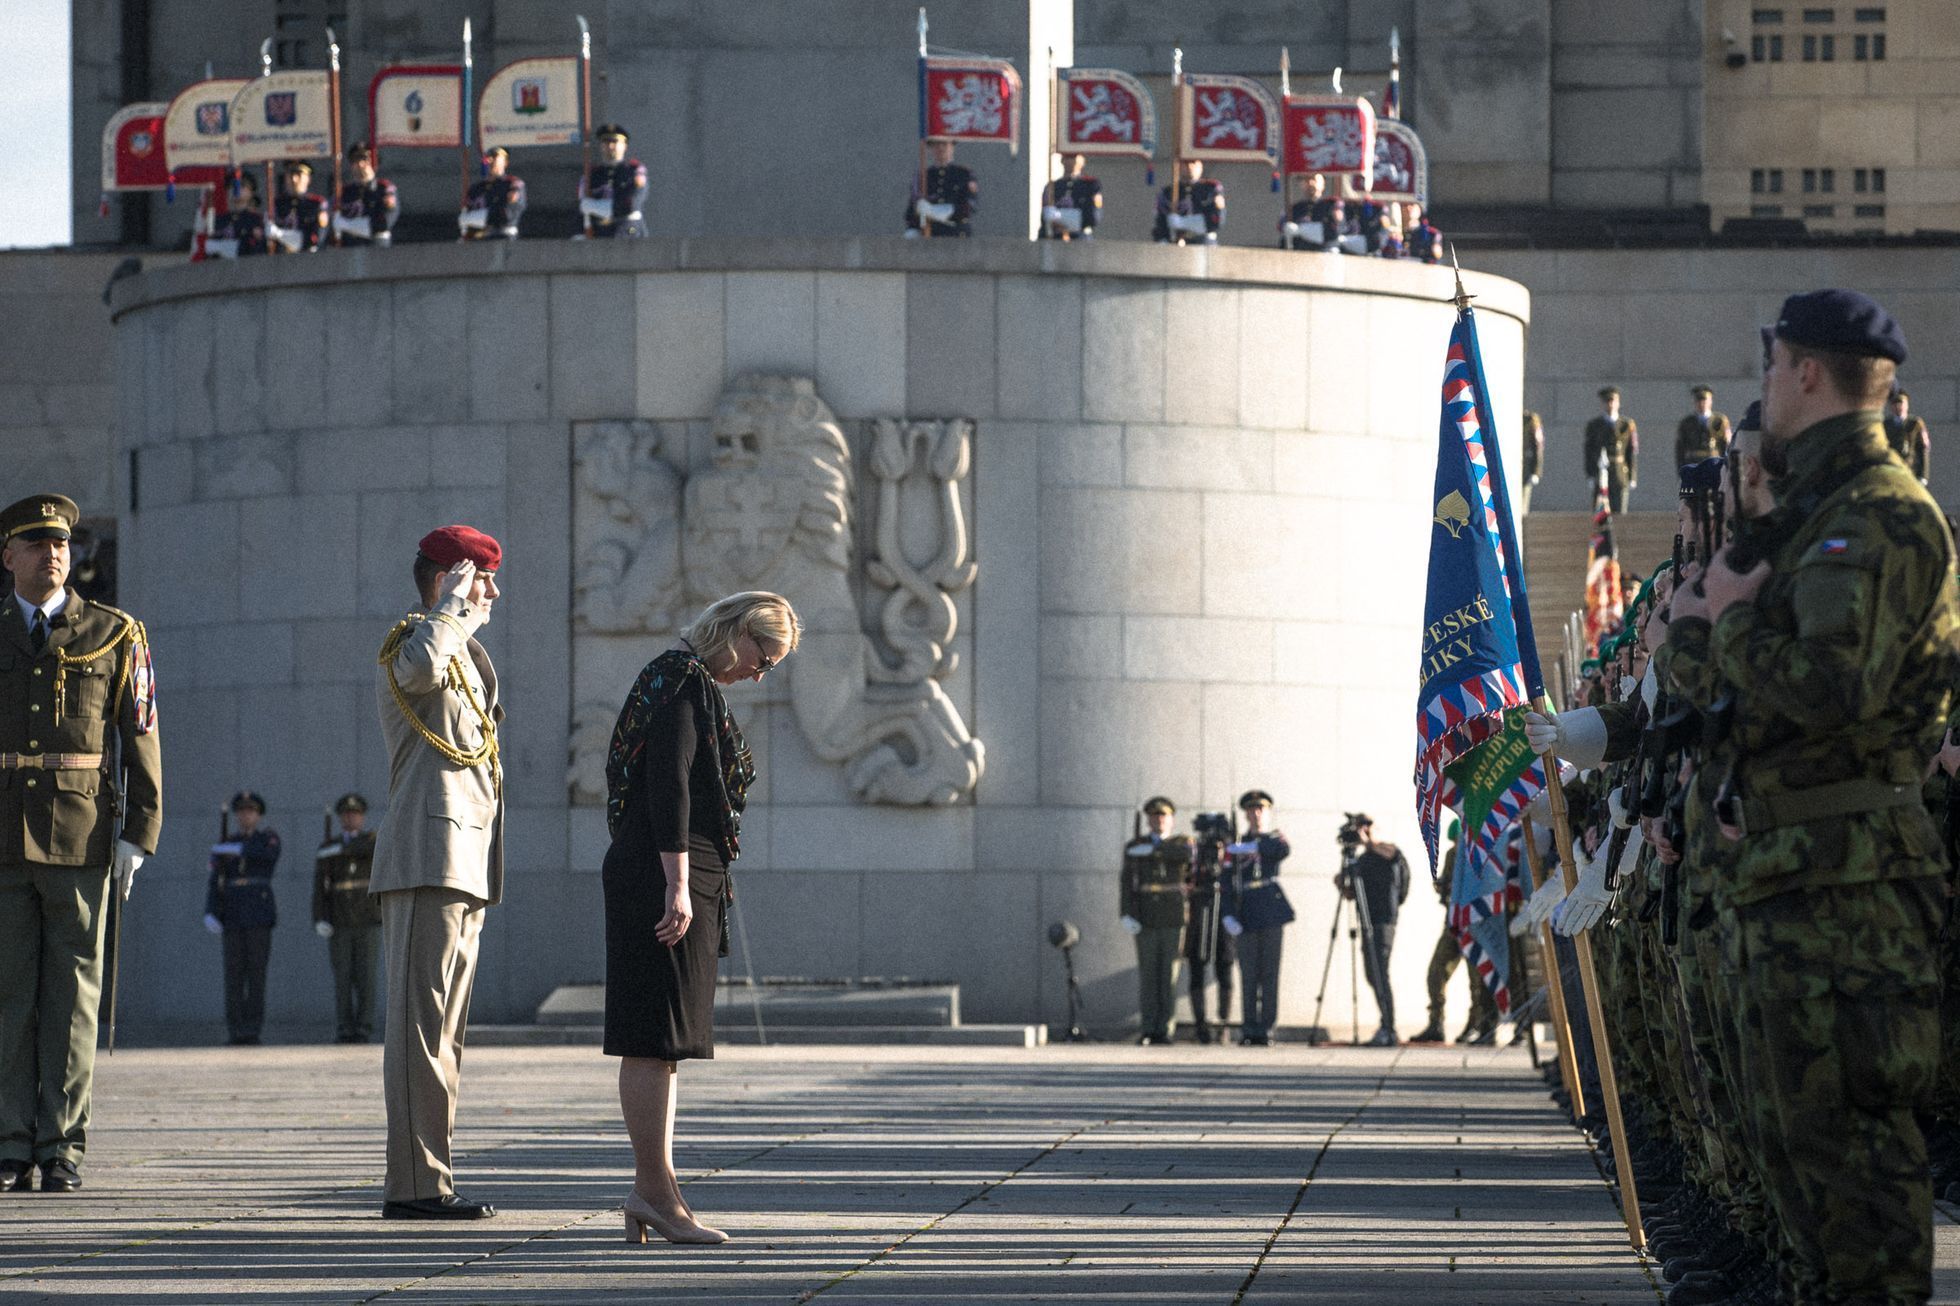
x: 1228, y: 119
x: 132, y: 149
x: 1331, y: 134
x: 1103, y: 111
x: 973, y: 99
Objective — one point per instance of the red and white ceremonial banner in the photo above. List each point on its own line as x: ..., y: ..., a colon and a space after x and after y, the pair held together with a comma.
x: 197, y: 131
x: 282, y: 116
x: 1228, y: 119
x: 531, y: 102
x: 132, y: 149
x: 1332, y: 134
x: 411, y: 105
x: 1401, y: 164
x: 973, y: 99
x: 1103, y: 111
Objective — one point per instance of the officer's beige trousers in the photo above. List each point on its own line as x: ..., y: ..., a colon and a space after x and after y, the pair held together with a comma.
x: 429, y: 937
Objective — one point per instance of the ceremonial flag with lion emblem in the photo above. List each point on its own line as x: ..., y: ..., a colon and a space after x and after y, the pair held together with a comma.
x: 1479, y: 666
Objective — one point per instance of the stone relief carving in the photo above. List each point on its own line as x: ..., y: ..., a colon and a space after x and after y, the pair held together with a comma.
x: 776, y: 510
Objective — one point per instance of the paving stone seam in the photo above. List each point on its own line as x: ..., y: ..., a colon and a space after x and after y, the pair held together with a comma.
x: 941, y: 1218
x: 1300, y: 1194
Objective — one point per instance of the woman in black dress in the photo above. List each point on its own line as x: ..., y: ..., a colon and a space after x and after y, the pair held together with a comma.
x: 677, y: 778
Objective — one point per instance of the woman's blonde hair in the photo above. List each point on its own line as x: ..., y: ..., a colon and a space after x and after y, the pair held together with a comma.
x: 756, y: 613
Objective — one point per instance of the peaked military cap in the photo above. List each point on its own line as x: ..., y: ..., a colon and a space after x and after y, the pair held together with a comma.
x: 1701, y: 391
x: 39, y: 517
x: 245, y: 798
x: 1255, y: 798
x: 1839, y: 322
x: 1152, y: 806
x: 606, y: 129
x: 351, y: 803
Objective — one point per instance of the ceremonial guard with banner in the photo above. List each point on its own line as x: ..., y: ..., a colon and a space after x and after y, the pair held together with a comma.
x: 348, y: 918
x: 283, y: 119
x: 494, y: 206
x: 239, y: 231
x: 546, y: 101
x: 614, y: 196
x: 197, y: 153
x: 1071, y: 204
x: 1097, y: 112
x: 961, y: 98
x: 368, y: 203
x: 80, y: 809
x: 1255, y: 914
x: 1330, y: 141
x: 1157, y: 867
x: 238, y: 905
x: 299, y: 217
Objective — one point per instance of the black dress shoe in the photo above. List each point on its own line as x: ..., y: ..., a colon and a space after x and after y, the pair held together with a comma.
x: 60, y: 1176
x: 447, y: 1207
x: 16, y: 1176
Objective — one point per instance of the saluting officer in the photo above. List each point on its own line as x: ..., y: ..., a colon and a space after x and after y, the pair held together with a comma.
x: 1256, y: 914
x: 299, y: 217
x: 238, y: 904
x: 950, y: 198
x: 1907, y: 434
x: 495, y: 203
x: 1618, y: 439
x: 349, y: 920
x: 77, y: 721
x: 1703, y: 433
x: 1073, y: 203
x: 368, y: 203
x: 614, y: 197
x: 1195, y: 213
x: 1156, y: 870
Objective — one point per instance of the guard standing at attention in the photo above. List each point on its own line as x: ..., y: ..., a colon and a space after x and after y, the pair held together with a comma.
x: 1197, y: 212
x: 950, y: 198
x: 349, y: 919
x: 1703, y: 433
x: 1907, y: 434
x: 81, y: 778
x: 613, y: 197
x: 368, y: 203
x: 1256, y: 914
x: 238, y: 904
x: 1072, y: 204
x: 1614, y: 437
x: 494, y: 205
x: 1156, y: 873
x: 299, y: 217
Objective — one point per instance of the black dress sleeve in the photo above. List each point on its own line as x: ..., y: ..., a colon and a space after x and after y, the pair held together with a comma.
x: 672, y: 738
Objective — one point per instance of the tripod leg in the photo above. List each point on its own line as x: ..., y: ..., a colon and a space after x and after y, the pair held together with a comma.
x: 1333, y: 944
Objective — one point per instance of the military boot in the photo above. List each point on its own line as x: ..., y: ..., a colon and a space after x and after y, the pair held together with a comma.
x: 1431, y: 1033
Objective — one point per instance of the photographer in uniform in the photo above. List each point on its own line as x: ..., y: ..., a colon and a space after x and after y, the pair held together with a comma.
x: 1206, y: 944
x: 349, y: 920
x: 1255, y: 913
x: 1381, y: 874
x: 1157, y: 867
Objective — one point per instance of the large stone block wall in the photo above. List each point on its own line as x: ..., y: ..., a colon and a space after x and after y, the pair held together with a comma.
x: 1199, y: 504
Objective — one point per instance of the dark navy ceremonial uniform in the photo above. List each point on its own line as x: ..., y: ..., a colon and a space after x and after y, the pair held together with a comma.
x: 305, y: 213
x: 377, y: 202
x: 502, y: 202
x: 240, y: 897
x: 624, y: 184
x: 246, y: 226
x: 1252, y: 896
x: 952, y: 184
x: 1083, y: 194
x: 1204, y: 196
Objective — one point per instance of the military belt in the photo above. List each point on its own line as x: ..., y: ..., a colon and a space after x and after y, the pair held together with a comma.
x: 50, y: 761
x: 1253, y: 884
x: 1163, y: 888
x: 1821, y: 802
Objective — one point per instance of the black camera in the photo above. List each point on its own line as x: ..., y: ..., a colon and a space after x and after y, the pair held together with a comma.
x: 1349, y: 835
x: 1212, y: 826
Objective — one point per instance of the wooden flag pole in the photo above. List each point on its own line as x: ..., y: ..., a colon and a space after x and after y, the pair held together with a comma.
x: 1609, y: 1087
x: 1568, y: 1065
x: 333, y: 132
x: 468, y: 114
x: 1177, y: 140
x: 585, y: 114
x: 925, y: 226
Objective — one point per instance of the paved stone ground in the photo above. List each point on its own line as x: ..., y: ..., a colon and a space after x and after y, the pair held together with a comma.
x: 1078, y: 1174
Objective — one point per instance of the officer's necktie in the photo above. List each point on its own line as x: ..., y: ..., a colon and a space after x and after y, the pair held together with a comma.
x: 40, y: 630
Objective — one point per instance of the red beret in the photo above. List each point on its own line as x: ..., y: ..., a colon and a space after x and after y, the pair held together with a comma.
x: 448, y: 545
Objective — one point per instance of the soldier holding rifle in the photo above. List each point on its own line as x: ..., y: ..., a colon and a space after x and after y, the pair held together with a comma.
x: 1156, y: 868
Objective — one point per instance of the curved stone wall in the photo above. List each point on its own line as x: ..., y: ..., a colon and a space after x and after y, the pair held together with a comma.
x: 1196, y: 491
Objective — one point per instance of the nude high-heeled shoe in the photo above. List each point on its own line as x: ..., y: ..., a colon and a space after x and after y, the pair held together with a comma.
x: 641, y: 1217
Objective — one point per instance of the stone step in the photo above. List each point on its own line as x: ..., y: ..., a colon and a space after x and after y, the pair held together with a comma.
x: 887, y: 1004
x: 744, y: 1034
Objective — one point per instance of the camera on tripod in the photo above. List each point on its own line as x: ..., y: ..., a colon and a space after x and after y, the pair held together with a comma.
x: 1213, y: 827
x: 1349, y: 835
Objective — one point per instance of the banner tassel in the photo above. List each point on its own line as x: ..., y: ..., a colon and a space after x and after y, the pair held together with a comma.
x: 170, y: 188
x: 102, y: 209
x: 1150, y: 174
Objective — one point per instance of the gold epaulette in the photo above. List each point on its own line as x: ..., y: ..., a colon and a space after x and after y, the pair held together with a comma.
x: 129, y: 629
x: 453, y: 678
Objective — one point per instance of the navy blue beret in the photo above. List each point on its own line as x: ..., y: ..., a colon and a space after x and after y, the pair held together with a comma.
x: 1701, y: 477
x: 1841, y: 322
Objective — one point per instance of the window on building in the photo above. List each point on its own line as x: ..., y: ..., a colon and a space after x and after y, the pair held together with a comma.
x: 1758, y: 49
x: 299, y: 31
x: 1810, y: 49
x: 1766, y: 16
x: 1868, y: 210
x: 1868, y: 15
x: 1861, y: 48
x: 1758, y: 181
x: 1820, y: 210
x: 1827, y: 47
x: 1776, y: 181
x: 1810, y: 181
x: 1878, y: 181
x: 1827, y: 180
x: 1820, y: 15
x: 1859, y: 176
x: 1878, y: 46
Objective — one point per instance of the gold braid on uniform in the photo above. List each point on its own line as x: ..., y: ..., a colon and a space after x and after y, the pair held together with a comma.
x: 452, y: 678
x: 130, y: 629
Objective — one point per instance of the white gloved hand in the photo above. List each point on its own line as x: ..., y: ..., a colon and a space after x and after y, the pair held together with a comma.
x: 1627, y: 685
x: 473, y: 219
x: 1616, y: 803
x: 1578, y: 736
x: 213, y: 924
x: 1133, y: 925
x: 1538, y: 908
x: 1232, y: 926
x: 122, y: 870
x: 1650, y: 686
x: 1588, y: 902
x: 323, y: 928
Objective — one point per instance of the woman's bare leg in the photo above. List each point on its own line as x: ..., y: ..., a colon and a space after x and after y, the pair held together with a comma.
x: 646, y: 1100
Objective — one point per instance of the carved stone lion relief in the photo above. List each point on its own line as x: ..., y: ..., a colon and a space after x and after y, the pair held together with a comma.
x: 776, y: 509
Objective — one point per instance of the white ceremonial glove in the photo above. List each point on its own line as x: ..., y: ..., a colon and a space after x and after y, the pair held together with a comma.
x: 220, y: 247
x: 1290, y: 229
x: 1189, y: 224
x: 1538, y: 908
x: 287, y: 236
x: 1650, y: 686
x: 1630, y: 855
x: 930, y: 212
x: 323, y: 928
x: 1578, y: 736
x: 598, y: 210
x: 122, y: 870
x: 1133, y: 925
x: 1627, y: 685
x: 473, y: 220
x: 1243, y: 848
x: 1587, y: 903
x: 1519, y: 926
x: 1232, y: 926
x: 1616, y: 803
x: 213, y: 924
x: 359, y: 227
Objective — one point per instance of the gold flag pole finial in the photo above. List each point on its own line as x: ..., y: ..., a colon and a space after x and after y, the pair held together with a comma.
x: 1462, y: 297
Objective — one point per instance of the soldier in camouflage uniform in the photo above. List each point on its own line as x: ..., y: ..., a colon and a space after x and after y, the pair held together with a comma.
x: 1156, y: 876
x: 1842, y: 639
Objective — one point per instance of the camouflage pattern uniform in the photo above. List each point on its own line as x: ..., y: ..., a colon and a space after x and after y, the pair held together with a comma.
x: 1837, y: 886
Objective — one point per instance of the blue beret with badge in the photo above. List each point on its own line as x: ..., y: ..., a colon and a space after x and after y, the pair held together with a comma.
x: 1838, y: 322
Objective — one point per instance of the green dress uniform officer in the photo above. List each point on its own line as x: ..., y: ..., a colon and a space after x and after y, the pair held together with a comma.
x: 1156, y: 871
x: 1443, y: 963
x: 1616, y: 439
x: 1908, y: 435
x: 349, y: 920
x: 78, y: 732
x: 1842, y: 644
x: 1702, y: 434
